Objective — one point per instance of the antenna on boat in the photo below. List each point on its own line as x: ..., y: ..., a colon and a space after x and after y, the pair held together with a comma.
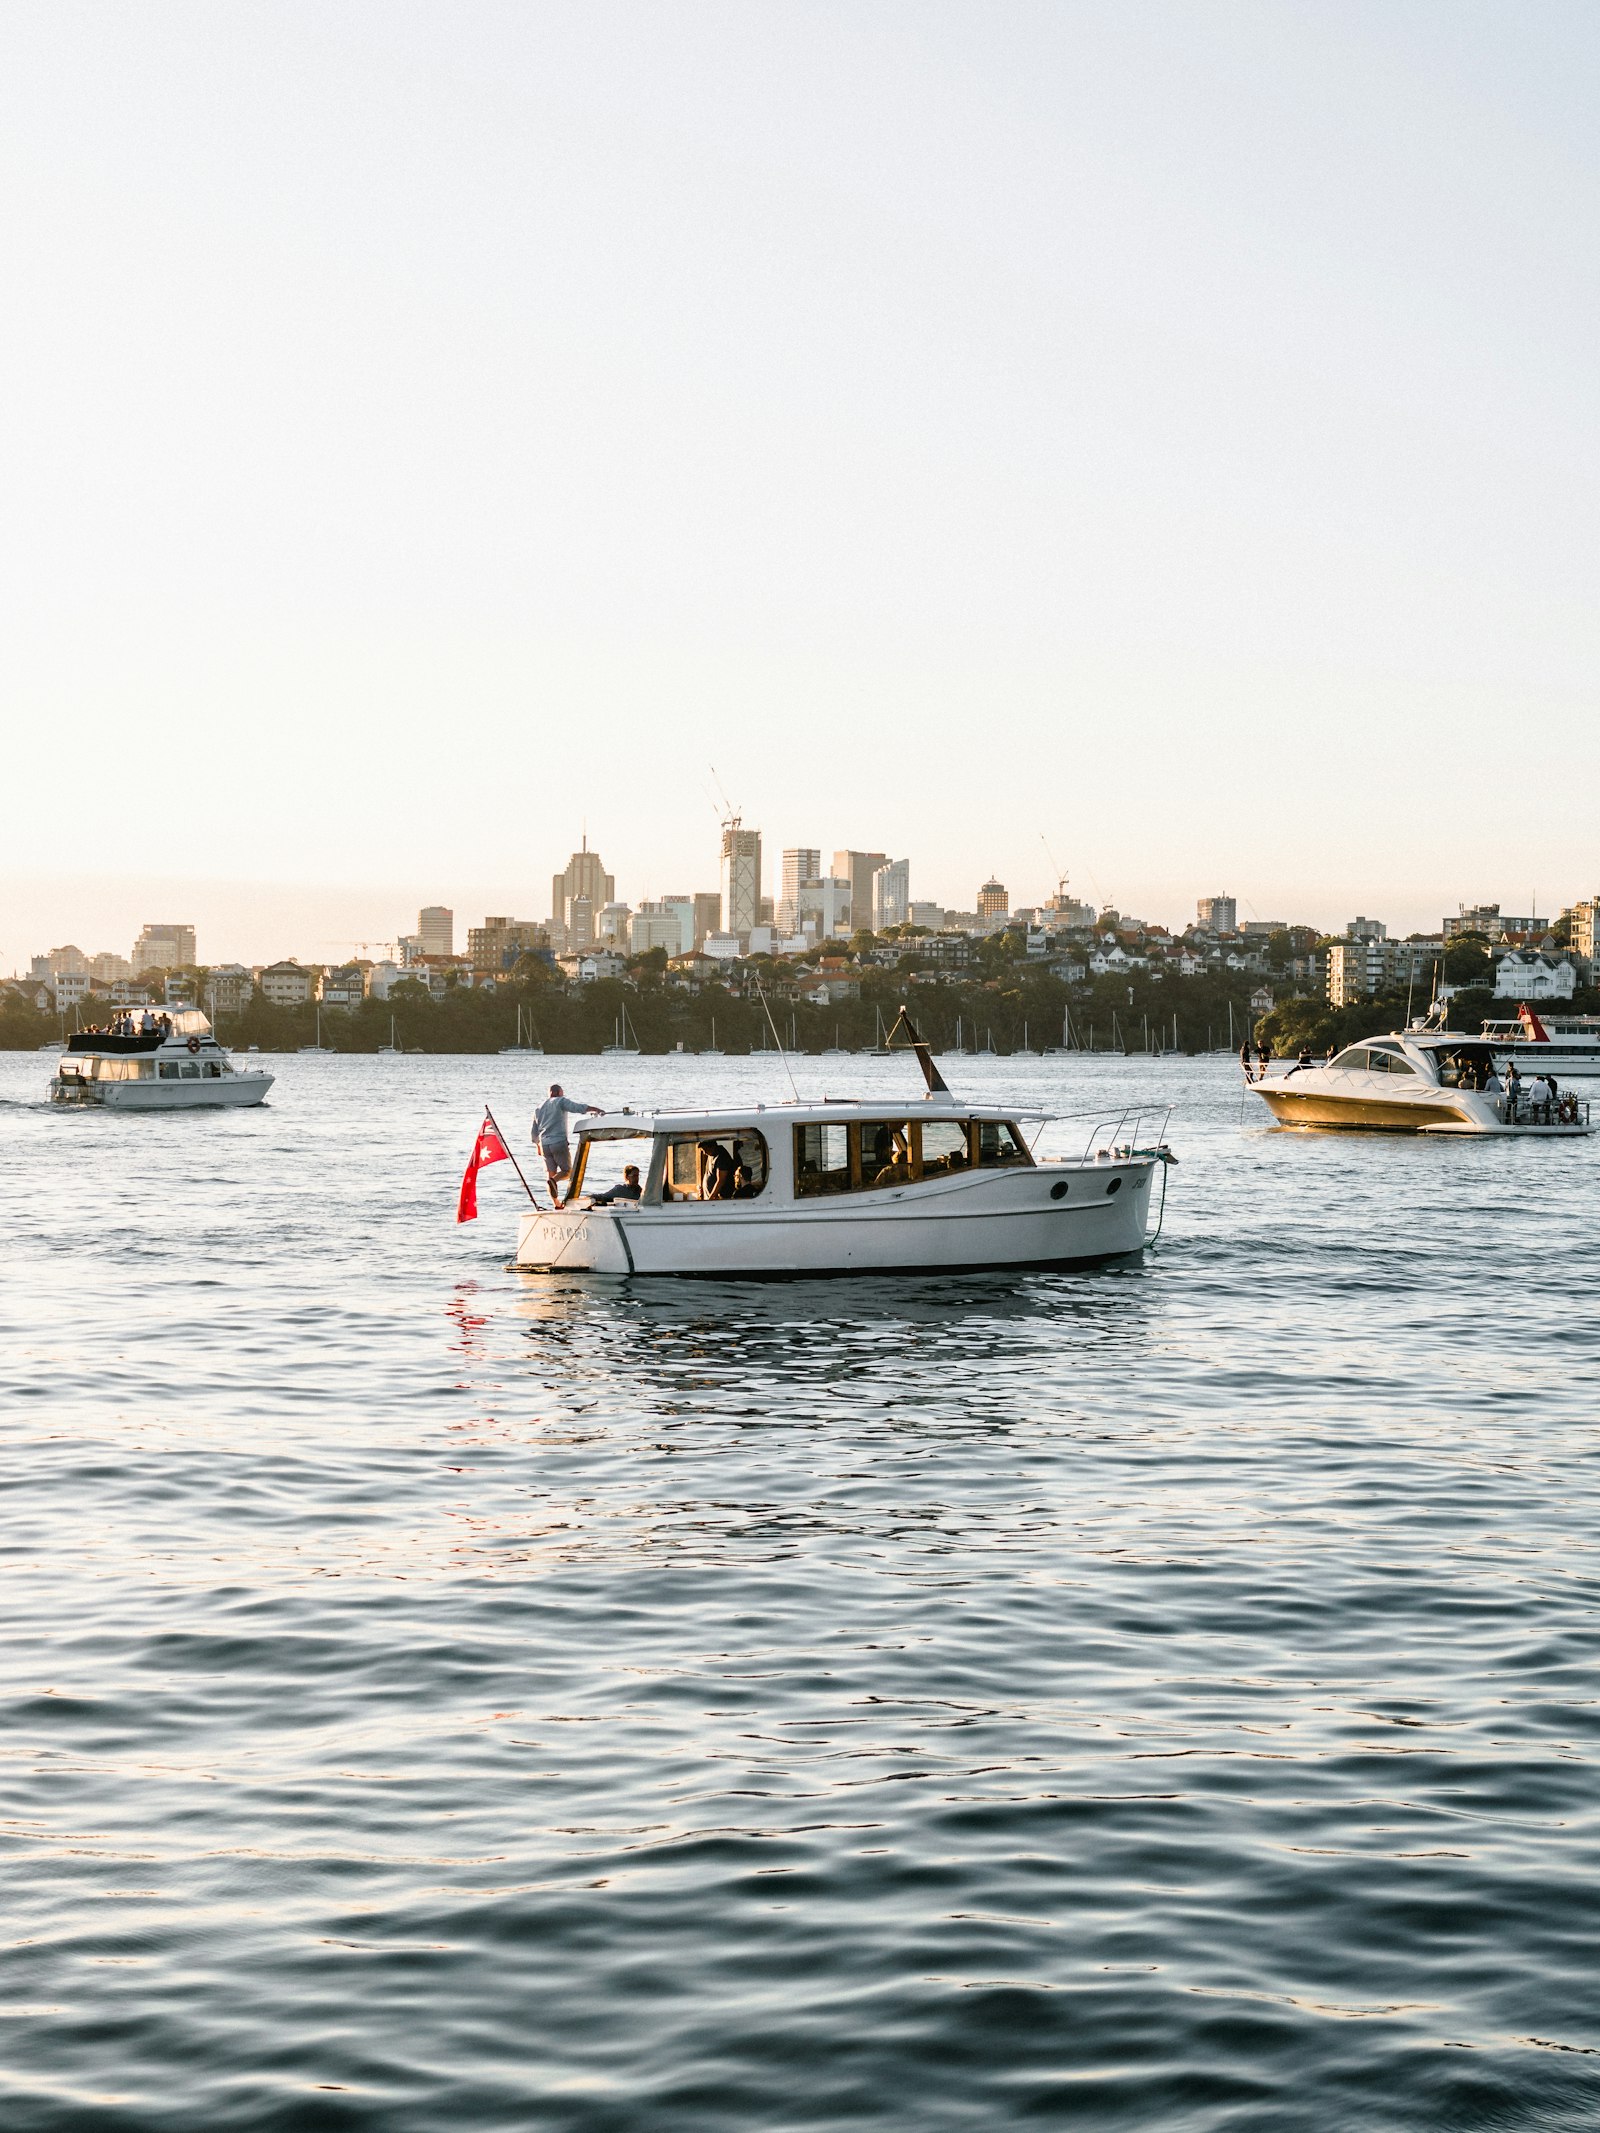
x: 777, y: 1040
x: 937, y: 1085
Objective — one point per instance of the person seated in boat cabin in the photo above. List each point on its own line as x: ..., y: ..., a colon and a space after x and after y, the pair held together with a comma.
x: 891, y: 1156
x: 629, y: 1189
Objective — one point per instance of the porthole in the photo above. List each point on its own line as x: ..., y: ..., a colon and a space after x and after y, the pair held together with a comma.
x: 1059, y: 1192
x: 1113, y: 1185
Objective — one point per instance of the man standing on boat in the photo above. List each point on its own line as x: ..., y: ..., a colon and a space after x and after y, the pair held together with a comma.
x: 550, y: 1131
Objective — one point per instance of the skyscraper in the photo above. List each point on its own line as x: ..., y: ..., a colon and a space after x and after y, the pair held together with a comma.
x: 994, y: 899
x: 801, y: 865
x: 436, y: 930
x: 163, y: 948
x: 1219, y: 913
x: 707, y: 915
x: 891, y: 894
x: 585, y: 876
x: 858, y: 868
x: 741, y: 876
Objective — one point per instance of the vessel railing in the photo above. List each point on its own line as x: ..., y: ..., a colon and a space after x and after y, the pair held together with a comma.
x: 1120, y: 1136
x: 1517, y: 1108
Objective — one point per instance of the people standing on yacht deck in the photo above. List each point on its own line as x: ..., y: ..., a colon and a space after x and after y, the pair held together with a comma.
x: 1513, y: 1088
x: 1244, y: 1059
x: 550, y: 1131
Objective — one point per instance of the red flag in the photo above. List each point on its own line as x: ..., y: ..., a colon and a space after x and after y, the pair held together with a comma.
x: 487, y: 1148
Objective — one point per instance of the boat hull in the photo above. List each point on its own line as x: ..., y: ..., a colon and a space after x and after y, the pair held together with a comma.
x: 1310, y: 1107
x: 1015, y: 1219
x: 229, y: 1093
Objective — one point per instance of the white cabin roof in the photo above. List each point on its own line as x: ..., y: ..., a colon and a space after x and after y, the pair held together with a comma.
x: 833, y: 1111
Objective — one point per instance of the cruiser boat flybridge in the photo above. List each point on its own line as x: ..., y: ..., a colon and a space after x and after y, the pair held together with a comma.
x: 177, y: 1065
x: 1419, y: 1081
x: 846, y: 1186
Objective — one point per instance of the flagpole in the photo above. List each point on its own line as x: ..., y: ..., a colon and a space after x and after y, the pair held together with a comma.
x: 506, y: 1145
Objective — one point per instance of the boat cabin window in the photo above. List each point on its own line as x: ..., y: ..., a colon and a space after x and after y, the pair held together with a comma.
x: 714, y: 1166
x: 882, y: 1152
x: 1353, y: 1060
x: 822, y: 1161
x: 945, y: 1147
x: 1000, y: 1142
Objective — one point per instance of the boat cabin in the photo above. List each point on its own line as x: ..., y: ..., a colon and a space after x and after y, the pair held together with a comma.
x: 807, y: 1151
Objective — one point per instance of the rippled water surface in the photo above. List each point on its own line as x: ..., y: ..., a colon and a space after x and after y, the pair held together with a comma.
x: 436, y: 1697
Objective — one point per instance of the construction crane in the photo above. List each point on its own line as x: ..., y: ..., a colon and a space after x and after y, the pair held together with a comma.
x: 391, y: 947
x: 1057, y: 870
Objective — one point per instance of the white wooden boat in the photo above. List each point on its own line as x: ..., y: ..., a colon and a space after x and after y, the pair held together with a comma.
x: 178, y: 1066
x: 848, y: 1186
x: 1416, y: 1081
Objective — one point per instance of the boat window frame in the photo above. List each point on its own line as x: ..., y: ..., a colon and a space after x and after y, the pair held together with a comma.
x: 661, y: 1192
x: 856, y: 1128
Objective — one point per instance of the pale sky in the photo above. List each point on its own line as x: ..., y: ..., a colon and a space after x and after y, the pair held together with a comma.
x: 1167, y: 430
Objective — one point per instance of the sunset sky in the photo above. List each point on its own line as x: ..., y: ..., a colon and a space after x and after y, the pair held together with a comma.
x: 1167, y: 431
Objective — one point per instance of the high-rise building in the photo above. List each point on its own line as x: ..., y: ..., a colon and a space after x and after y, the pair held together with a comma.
x: 1487, y: 919
x: 69, y: 962
x: 668, y: 924
x: 825, y: 907
x: 436, y: 930
x: 106, y: 969
x: 891, y: 895
x: 585, y: 876
x: 707, y: 915
x: 163, y: 948
x: 1366, y: 929
x: 1218, y: 914
x: 858, y: 868
x: 994, y: 899
x: 741, y: 876
x: 499, y: 944
x: 802, y: 864
x: 612, y: 926
x: 579, y: 931
x: 1581, y: 926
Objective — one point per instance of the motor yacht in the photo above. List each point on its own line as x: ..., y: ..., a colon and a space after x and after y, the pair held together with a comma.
x: 176, y: 1066
x: 847, y: 1185
x: 1416, y: 1081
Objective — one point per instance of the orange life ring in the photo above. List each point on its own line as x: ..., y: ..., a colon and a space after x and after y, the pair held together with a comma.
x: 194, y: 1044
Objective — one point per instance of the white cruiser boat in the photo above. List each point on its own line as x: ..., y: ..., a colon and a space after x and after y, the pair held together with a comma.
x: 845, y: 1186
x: 177, y: 1066
x: 1421, y: 1081
x: 1567, y: 1044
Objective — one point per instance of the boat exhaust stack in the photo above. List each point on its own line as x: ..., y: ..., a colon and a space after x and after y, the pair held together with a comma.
x: 937, y: 1085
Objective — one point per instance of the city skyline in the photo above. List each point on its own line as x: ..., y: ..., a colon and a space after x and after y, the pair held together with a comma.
x: 330, y: 922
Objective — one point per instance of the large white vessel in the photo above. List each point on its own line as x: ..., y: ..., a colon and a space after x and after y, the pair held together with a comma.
x: 845, y: 1186
x: 1567, y: 1044
x: 176, y: 1065
x: 1418, y: 1081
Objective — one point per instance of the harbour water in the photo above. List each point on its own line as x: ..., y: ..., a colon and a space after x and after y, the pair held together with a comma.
x: 1162, y: 1697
